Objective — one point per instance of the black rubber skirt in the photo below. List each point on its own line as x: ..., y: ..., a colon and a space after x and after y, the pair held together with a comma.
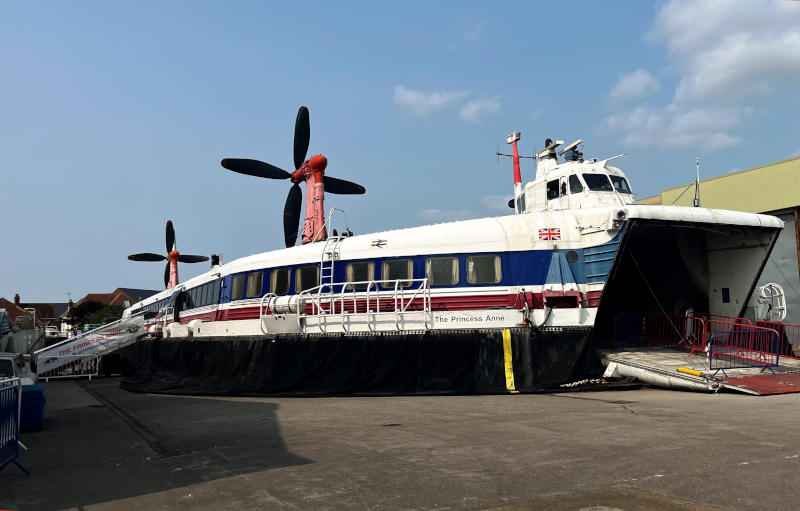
x: 453, y: 362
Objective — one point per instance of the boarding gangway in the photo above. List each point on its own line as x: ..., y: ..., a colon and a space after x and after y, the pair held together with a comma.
x: 79, y: 355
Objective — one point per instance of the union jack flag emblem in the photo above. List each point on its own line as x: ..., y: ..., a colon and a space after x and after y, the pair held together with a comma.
x: 549, y: 234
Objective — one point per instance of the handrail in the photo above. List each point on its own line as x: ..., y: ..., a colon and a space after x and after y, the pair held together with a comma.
x: 325, y: 300
x: 262, y: 310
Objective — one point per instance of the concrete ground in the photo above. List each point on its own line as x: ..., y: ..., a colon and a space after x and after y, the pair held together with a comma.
x: 103, y: 448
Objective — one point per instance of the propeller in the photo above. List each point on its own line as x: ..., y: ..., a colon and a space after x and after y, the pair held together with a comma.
x: 294, y: 200
x: 172, y: 254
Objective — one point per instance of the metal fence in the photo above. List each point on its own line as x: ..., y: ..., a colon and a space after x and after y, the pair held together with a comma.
x: 72, y: 366
x: 662, y: 329
x: 736, y: 349
x: 10, y: 413
x: 789, y: 336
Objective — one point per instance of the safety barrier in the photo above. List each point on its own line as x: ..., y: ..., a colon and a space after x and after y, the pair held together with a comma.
x: 735, y: 349
x: 662, y: 329
x: 71, y: 366
x: 789, y: 337
x: 10, y: 413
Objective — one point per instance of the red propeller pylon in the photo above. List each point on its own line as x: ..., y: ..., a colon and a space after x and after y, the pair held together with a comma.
x: 312, y: 171
x: 173, y: 257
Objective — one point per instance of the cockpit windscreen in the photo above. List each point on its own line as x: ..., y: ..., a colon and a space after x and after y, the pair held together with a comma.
x: 597, y: 182
x: 620, y: 184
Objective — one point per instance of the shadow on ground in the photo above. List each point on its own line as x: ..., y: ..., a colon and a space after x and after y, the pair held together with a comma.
x: 101, y: 443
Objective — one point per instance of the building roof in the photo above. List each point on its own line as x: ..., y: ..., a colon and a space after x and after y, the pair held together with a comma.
x: 770, y: 187
x: 15, y: 312
x: 137, y: 295
x: 118, y: 297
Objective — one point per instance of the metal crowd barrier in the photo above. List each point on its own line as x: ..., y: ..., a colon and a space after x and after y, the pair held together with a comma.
x: 72, y: 366
x: 736, y: 349
x: 10, y: 414
x: 662, y: 329
x: 789, y: 335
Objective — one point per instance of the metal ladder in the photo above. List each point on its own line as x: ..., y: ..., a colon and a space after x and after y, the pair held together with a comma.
x: 330, y: 253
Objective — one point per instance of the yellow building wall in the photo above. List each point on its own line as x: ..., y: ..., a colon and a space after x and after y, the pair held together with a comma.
x: 769, y: 187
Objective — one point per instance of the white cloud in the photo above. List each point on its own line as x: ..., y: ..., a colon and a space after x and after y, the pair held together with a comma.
x: 422, y: 103
x: 444, y: 215
x: 476, y: 109
x: 670, y: 127
x: 635, y: 85
x: 497, y: 202
x: 729, y: 55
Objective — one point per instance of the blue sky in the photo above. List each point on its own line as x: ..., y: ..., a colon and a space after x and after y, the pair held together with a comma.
x: 115, y: 115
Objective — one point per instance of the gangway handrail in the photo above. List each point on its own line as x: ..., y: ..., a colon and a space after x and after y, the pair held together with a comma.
x: 82, y: 334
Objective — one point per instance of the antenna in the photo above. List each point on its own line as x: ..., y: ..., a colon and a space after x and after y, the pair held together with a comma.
x: 572, y: 149
x: 574, y: 144
x: 550, y: 147
x: 696, y: 201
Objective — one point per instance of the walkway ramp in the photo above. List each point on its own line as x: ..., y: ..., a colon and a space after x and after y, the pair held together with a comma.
x: 78, y: 355
x: 702, y: 353
x: 659, y: 367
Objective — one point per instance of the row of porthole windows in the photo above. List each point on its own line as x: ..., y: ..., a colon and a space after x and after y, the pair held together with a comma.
x: 440, y: 271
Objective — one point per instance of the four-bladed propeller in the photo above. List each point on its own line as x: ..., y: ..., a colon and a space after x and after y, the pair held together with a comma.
x: 172, y: 255
x: 291, y: 210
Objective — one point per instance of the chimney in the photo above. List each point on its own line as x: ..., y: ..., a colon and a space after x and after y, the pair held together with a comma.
x: 16, y: 299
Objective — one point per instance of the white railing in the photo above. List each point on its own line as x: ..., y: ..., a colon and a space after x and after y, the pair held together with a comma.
x: 373, y: 299
x: 72, y: 366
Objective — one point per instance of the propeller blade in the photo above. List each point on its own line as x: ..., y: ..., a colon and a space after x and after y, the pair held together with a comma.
x: 341, y: 186
x: 170, y: 237
x: 147, y: 256
x: 302, y: 134
x: 166, y: 275
x: 192, y: 258
x: 255, y: 168
x: 291, y: 215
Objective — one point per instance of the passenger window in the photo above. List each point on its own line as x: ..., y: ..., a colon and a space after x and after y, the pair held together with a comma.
x: 575, y: 185
x: 215, y: 291
x: 279, y: 281
x: 237, y: 289
x: 484, y: 269
x: 255, y: 282
x: 362, y: 271
x: 306, y: 277
x: 552, y: 189
x: 442, y: 271
x: 397, y: 269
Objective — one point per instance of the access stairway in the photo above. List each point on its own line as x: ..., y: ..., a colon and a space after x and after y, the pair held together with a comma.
x: 80, y: 355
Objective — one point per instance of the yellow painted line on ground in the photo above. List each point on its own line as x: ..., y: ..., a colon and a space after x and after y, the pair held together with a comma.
x: 509, y: 361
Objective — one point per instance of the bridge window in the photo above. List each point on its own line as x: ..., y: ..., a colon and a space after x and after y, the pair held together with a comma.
x: 575, y: 185
x: 484, y: 269
x: 552, y: 189
x: 361, y: 271
x: 620, y: 184
x: 255, y: 281
x: 237, y: 289
x: 597, y: 182
x: 279, y: 281
x: 398, y: 269
x: 306, y: 277
x: 442, y: 271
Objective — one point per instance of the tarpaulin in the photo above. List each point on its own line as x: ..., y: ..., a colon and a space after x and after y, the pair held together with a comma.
x: 457, y: 362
